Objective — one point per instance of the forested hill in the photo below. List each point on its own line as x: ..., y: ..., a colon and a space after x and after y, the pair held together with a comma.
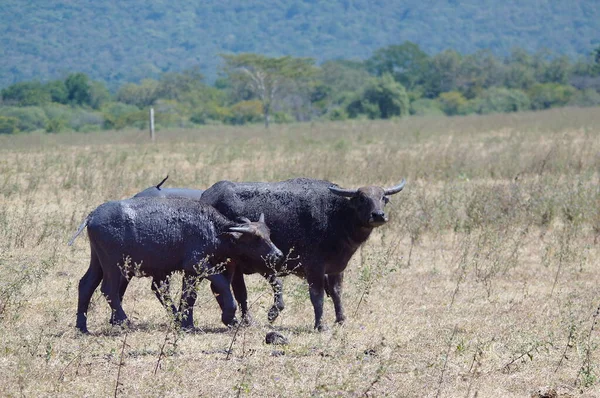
x: 117, y: 41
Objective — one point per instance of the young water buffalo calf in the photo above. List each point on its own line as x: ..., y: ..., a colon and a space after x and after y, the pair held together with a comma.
x: 156, y: 237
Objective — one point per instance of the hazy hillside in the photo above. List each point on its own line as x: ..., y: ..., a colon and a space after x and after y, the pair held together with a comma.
x: 117, y: 41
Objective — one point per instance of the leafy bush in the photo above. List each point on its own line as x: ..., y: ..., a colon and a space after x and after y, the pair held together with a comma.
x: 282, y: 117
x: 8, y: 125
x: 337, y: 114
x: 30, y: 117
x: 56, y: 125
x: 118, y: 115
x: 453, y: 103
x: 587, y: 97
x: 246, y: 112
x: 426, y: 107
x: 499, y: 99
x: 549, y: 95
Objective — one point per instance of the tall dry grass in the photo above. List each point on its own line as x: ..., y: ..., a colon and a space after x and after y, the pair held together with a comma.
x: 484, y: 283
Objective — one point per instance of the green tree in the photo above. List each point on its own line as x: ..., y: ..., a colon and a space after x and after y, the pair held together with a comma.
x: 382, y: 98
x: 268, y: 79
x: 78, y: 89
x: 58, y: 91
x: 175, y: 85
x: 336, y: 84
x: 478, y: 72
x: 442, y: 73
x: 406, y: 62
x: 141, y: 95
x: 26, y: 94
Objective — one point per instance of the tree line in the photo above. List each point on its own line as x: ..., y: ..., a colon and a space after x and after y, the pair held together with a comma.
x: 395, y: 81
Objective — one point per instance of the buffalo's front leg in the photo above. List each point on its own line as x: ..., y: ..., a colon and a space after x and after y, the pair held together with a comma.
x: 278, y: 305
x: 317, y: 293
x: 185, y: 315
x: 221, y: 286
x: 241, y: 295
x: 334, y: 288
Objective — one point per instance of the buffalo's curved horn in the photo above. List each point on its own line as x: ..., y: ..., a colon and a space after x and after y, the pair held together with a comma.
x: 244, y: 220
x: 239, y: 228
x: 162, y: 182
x: 396, y: 189
x: 261, y: 218
x: 348, y: 193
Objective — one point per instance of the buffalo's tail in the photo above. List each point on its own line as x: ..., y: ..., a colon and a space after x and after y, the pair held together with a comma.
x: 162, y: 182
x: 81, y: 228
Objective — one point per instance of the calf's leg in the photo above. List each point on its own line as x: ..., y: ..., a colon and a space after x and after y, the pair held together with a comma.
x: 221, y: 286
x: 188, y: 299
x: 278, y: 305
x: 160, y: 287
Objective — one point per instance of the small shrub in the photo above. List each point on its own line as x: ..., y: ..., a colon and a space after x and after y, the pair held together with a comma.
x: 9, y: 125
x: 549, y: 95
x: 499, y: 99
x: 426, y: 107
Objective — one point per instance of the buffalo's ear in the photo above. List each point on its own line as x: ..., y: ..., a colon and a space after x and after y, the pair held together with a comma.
x: 233, y: 236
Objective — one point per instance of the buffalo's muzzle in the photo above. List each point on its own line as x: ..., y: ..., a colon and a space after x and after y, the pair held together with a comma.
x: 378, y: 218
x: 275, y: 256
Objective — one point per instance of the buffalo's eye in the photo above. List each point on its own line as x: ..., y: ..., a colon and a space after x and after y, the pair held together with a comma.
x: 385, y: 199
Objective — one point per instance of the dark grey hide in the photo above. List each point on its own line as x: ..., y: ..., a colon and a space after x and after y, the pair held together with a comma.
x: 315, y: 223
x: 158, y: 191
x: 156, y: 237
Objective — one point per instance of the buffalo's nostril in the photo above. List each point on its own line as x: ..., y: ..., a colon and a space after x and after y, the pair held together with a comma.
x: 378, y: 215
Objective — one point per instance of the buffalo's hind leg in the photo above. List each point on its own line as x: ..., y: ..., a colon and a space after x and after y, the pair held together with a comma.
x: 111, y: 288
x: 316, y: 285
x: 87, y: 285
x: 333, y: 286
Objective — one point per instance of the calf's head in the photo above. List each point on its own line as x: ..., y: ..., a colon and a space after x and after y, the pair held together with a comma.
x: 369, y: 202
x: 253, y: 240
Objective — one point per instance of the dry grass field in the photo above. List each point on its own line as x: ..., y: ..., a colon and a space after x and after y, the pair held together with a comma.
x: 485, y: 282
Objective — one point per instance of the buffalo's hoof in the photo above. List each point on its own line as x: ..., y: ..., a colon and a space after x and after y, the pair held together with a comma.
x: 188, y: 328
x: 273, y: 314
x: 232, y: 324
x: 83, y: 330
x: 247, y: 320
x: 321, y: 328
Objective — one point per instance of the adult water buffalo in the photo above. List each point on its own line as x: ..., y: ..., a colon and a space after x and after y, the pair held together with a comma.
x: 159, y: 192
x: 156, y: 237
x: 318, y: 224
